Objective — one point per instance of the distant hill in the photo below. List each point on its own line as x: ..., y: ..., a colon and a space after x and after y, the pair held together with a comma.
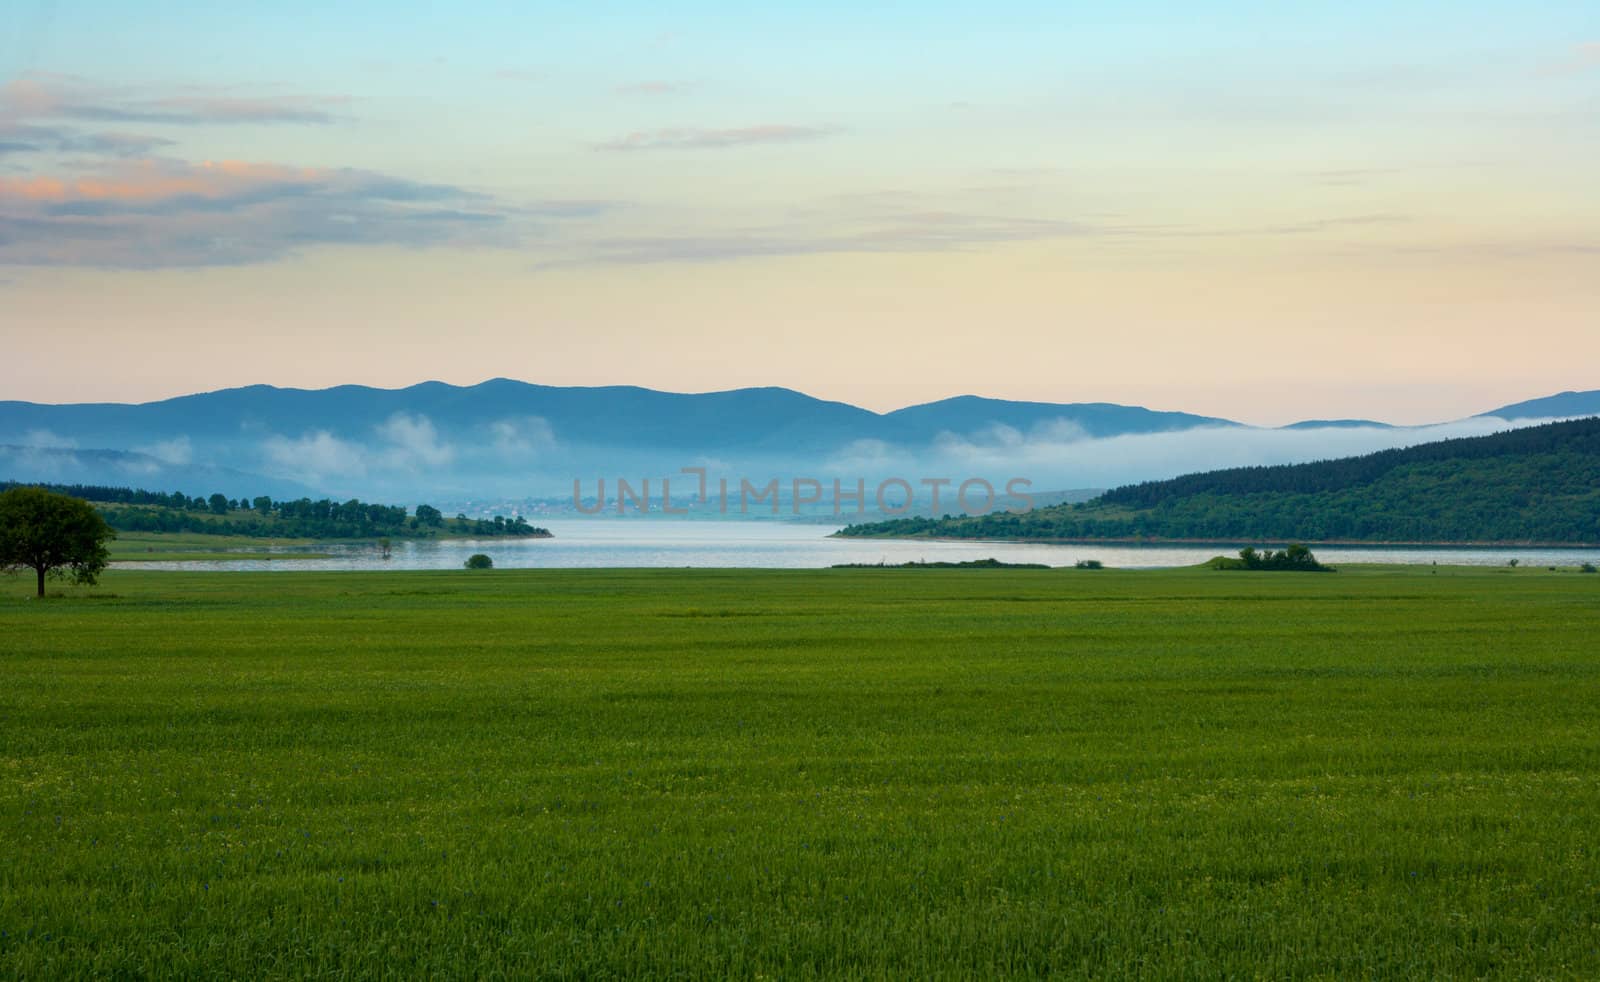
x: 1566, y: 405
x: 1536, y: 484
x: 1339, y: 424
x: 966, y: 414
x: 613, y: 416
x: 610, y: 415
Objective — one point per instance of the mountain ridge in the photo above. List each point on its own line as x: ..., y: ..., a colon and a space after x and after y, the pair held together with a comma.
x: 502, y: 435
x: 1561, y: 405
x: 749, y: 418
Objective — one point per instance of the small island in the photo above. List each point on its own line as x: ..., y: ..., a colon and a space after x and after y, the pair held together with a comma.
x: 924, y: 564
x: 1295, y: 559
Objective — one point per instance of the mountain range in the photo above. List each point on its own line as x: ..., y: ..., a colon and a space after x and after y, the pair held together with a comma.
x: 509, y: 437
x: 616, y: 416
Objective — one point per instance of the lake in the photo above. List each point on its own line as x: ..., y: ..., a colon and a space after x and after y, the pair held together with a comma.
x: 783, y: 545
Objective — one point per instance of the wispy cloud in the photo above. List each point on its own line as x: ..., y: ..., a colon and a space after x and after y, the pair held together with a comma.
x: 697, y: 138
x: 1314, y: 225
x: 403, y: 446
x: 47, y: 440
x: 63, y: 114
x: 314, y: 457
x: 414, y: 444
x: 521, y: 437
x: 898, y: 221
x: 178, y: 451
x: 650, y: 87
x: 69, y: 97
x: 1352, y: 176
x: 1503, y: 249
x: 906, y: 231
x: 148, y: 214
x: 1060, y: 454
x: 20, y: 138
x: 109, y: 201
x: 568, y: 208
x: 67, y: 464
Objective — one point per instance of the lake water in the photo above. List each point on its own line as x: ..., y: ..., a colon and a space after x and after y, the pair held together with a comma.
x: 781, y: 545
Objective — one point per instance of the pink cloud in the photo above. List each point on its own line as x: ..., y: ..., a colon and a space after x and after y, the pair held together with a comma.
x: 146, y: 181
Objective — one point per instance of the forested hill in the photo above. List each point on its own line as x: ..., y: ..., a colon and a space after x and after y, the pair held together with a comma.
x: 1537, y: 484
x: 1581, y: 437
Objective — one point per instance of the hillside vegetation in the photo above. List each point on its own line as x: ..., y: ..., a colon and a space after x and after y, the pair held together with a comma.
x: 1538, y: 484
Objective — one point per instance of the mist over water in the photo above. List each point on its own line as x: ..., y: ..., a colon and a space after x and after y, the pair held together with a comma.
x: 655, y: 542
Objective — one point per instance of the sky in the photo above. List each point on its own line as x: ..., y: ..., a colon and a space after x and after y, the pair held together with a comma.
x: 1268, y: 212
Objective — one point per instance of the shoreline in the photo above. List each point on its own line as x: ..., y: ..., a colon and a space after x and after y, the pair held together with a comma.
x: 1240, y: 543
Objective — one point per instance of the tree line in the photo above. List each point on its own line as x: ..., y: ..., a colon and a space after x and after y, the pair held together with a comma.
x: 138, y: 510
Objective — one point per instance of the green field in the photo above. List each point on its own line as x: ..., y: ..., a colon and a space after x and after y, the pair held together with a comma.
x: 884, y: 773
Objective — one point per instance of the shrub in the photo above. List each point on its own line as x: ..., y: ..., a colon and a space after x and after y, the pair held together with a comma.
x: 479, y: 561
x: 1089, y: 564
x: 1586, y: 568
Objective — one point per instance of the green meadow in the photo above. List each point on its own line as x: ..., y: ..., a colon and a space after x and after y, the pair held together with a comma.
x: 1383, y: 772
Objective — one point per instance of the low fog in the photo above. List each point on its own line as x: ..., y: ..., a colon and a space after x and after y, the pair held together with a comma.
x: 1060, y: 455
x: 408, y: 459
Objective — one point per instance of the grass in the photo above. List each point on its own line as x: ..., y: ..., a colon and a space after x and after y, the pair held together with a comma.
x: 1379, y: 773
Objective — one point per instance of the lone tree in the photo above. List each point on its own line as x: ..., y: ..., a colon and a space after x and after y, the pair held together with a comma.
x: 52, y: 534
x: 479, y: 561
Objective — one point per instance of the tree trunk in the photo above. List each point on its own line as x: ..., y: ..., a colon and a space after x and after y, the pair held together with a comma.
x: 41, y: 582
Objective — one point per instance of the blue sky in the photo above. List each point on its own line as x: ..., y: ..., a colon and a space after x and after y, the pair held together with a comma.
x: 1159, y: 203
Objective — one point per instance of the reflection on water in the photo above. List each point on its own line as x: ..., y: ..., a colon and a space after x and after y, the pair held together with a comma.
x: 664, y: 542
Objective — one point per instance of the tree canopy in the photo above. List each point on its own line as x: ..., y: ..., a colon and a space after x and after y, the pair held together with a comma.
x: 52, y: 534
